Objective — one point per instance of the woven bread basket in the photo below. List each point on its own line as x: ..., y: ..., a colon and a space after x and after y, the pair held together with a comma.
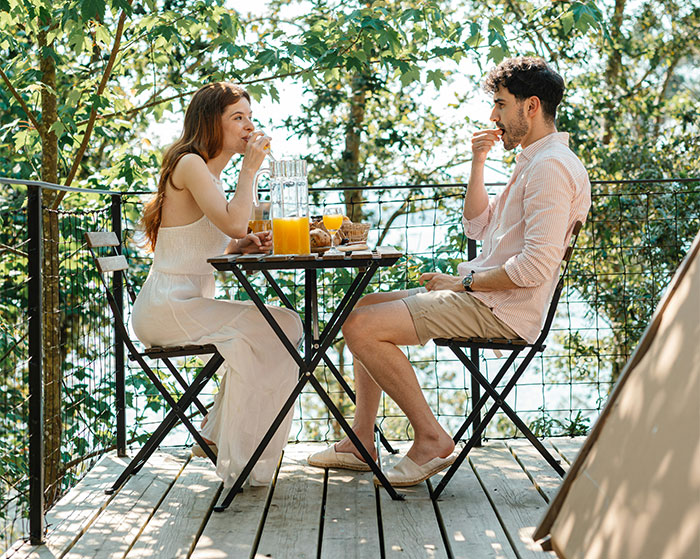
x: 355, y: 232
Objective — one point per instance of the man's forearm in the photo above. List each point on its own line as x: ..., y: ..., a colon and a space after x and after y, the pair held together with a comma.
x: 495, y: 279
x: 476, y: 200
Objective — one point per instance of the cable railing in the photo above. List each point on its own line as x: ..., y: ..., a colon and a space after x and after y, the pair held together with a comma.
x: 63, y: 382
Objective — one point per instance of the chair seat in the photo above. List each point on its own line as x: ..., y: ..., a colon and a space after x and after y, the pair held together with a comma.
x: 487, y: 343
x: 157, y: 352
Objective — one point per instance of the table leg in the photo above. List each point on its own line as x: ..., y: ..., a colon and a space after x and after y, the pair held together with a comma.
x: 238, y: 484
x: 271, y: 321
x: 353, y: 437
x: 351, y: 394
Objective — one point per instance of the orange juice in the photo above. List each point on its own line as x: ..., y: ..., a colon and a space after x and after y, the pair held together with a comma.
x: 290, y: 235
x: 258, y: 225
x: 333, y: 222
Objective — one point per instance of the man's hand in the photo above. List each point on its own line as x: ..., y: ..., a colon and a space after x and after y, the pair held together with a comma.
x: 255, y: 242
x: 435, y: 281
x: 482, y: 142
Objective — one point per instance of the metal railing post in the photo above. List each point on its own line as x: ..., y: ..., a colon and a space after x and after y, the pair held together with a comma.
x: 36, y: 372
x: 474, y: 353
x: 119, y: 370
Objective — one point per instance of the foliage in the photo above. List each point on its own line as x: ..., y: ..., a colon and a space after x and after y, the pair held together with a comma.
x: 81, y: 81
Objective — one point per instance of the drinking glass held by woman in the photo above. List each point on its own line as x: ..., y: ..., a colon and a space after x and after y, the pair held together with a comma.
x: 189, y: 220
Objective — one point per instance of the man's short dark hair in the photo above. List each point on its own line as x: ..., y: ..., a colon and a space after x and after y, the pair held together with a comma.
x: 528, y: 76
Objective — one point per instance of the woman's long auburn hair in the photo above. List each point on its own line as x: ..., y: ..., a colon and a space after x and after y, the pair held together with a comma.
x: 202, y: 134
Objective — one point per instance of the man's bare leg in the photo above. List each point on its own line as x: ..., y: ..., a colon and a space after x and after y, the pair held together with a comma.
x: 373, y: 333
x: 368, y: 393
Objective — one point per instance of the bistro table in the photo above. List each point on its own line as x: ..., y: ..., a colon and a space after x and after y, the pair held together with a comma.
x: 366, y: 263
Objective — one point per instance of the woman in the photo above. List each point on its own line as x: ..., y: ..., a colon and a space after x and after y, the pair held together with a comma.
x: 188, y: 221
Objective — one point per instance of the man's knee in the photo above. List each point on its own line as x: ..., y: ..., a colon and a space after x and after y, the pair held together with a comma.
x: 352, y: 326
x: 370, y: 299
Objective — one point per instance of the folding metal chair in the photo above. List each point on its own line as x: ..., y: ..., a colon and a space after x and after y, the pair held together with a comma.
x: 115, y: 262
x: 515, y: 347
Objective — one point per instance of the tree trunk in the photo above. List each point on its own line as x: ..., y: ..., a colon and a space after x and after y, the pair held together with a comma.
x: 612, y: 69
x: 350, y: 164
x: 52, y: 320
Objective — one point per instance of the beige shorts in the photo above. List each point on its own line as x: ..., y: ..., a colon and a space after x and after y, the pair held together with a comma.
x: 448, y: 314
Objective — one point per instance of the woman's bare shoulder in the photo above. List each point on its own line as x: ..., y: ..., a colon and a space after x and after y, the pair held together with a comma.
x: 190, y: 169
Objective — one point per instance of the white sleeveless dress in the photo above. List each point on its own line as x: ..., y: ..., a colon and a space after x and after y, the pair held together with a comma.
x: 176, y: 306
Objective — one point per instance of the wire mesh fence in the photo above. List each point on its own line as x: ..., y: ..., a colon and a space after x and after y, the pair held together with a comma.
x: 636, y: 235
x: 78, y: 367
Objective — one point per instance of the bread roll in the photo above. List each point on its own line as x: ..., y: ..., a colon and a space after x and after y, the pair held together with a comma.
x: 319, y: 238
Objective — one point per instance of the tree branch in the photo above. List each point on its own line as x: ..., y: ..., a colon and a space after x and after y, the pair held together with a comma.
x: 16, y: 95
x: 93, y: 112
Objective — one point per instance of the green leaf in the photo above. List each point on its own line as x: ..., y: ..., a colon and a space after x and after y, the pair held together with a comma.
x: 567, y: 22
x: 58, y: 128
x: 497, y: 53
x: 437, y: 77
x: 410, y: 76
x: 92, y: 9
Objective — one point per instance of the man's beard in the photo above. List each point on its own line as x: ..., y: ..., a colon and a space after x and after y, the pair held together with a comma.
x: 515, y: 132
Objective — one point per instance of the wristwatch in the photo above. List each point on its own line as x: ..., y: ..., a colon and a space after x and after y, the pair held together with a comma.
x: 467, y: 281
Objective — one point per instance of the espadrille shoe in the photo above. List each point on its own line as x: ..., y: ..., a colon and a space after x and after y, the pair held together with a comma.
x: 407, y: 473
x: 329, y: 458
x: 199, y: 451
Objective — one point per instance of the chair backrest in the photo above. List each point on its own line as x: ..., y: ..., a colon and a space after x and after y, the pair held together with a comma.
x: 564, y: 268
x: 114, y: 262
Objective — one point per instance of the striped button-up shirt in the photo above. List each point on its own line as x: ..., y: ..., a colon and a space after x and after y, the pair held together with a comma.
x: 527, y: 227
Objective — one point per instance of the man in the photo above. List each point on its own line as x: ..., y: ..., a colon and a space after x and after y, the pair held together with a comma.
x: 503, y: 293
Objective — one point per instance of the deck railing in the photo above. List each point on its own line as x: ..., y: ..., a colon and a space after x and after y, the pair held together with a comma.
x: 67, y: 395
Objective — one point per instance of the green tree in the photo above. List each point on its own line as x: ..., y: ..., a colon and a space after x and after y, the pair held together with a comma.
x: 81, y: 80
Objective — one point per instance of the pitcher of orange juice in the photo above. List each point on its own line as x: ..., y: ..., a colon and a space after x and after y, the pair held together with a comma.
x: 289, y: 207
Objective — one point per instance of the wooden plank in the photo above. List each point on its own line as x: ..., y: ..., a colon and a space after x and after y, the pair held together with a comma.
x: 222, y: 258
x: 358, y: 254
x: 410, y: 527
x: 568, y: 447
x: 350, y: 528
x: 232, y: 533
x: 101, y: 239
x: 111, y: 263
x: 70, y: 517
x: 292, y: 526
x: 333, y: 256
x: 303, y: 257
x: 115, y: 530
x: 471, y: 525
x: 384, y: 251
x: 250, y: 257
x: 180, y: 517
x: 10, y: 552
x: 516, y: 501
x: 543, y: 477
x: 277, y: 257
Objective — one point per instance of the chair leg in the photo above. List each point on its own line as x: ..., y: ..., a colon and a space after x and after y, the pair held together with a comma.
x: 500, y: 402
x: 183, y: 383
x: 178, y: 411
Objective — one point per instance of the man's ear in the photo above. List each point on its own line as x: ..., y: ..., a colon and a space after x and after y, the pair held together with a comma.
x: 533, y: 106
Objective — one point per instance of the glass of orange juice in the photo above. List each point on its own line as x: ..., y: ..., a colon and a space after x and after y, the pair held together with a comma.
x: 333, y: 220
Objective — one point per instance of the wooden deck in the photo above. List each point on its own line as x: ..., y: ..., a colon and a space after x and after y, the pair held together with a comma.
x: 488, y: 511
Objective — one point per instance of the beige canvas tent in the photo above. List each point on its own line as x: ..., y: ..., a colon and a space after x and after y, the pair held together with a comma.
x: 633, y: 492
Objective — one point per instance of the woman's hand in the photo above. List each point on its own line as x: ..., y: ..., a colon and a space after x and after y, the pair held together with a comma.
x: 256, y: 149
x: 435, y: 281
x: 255, y: 242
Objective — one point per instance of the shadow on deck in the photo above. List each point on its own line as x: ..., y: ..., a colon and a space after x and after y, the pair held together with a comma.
x: 489, y: 510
